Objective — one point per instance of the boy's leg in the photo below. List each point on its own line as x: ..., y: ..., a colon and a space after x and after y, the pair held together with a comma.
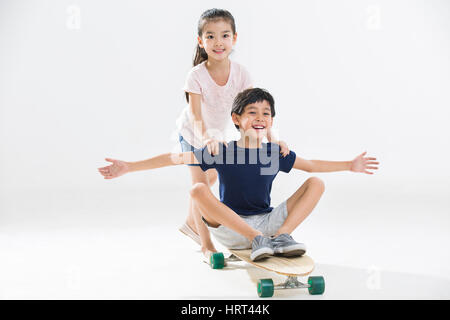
x: 216, y: 213
x: 301, y: 204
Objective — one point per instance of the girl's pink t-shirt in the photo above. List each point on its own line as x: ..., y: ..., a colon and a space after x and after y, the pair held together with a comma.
x: 216, y: 102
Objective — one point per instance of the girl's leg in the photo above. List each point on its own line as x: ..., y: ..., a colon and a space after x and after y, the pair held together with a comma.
x: 194, y: 218
x: 301, y: 204
x: 197, y: 176
x: 212, y: 176
x: 216, y: 213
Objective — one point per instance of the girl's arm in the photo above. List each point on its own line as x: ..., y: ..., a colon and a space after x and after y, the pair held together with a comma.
x: 284, y: 149
x: 359, y: 164
x: 119, y: 167
x: 212, y: 144
x: 195, y: 104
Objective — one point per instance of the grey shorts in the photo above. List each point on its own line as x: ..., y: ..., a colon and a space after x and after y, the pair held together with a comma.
x: 267, y: 223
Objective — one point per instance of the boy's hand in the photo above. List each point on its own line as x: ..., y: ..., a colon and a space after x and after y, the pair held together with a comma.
x: 284, y: 149
x: 116, y: 169
x: 213, y: 145
x: 361, y: 164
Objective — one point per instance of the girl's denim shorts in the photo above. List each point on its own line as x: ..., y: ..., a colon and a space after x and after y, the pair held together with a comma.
x: 186, y: 147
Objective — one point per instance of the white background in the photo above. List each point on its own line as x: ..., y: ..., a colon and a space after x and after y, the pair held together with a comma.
x: 85, y: 80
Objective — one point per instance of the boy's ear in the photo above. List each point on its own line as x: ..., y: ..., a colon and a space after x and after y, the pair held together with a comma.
x: 235, y: 118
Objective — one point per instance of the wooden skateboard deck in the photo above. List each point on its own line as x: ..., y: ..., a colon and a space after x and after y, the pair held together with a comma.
x: 292, y: 266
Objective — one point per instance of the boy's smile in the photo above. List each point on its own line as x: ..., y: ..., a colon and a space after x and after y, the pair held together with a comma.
x: 255, y: 121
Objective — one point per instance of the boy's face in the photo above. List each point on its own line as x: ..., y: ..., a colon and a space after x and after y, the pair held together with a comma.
x: 217, y: 39
x: 255, y: 121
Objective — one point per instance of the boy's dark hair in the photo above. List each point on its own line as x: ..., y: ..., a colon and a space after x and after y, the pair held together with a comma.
x: 208, y: 16
x: 250, y: 96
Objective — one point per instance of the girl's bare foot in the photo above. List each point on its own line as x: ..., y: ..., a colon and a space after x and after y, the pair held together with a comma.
x: 191, y: 223
x: 191, y: 232
x: 208, y: 251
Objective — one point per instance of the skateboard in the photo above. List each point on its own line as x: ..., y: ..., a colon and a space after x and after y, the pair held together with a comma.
x: 292, y: 267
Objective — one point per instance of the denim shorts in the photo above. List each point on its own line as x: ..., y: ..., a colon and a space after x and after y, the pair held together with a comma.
x: 186, y: 147
x: 267, y: 223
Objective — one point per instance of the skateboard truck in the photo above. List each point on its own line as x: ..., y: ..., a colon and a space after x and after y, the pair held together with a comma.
x: 266, y: 287
x: 291, y: 283
x: 315, y: 285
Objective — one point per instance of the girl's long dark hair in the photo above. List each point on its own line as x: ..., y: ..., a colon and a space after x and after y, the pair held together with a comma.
x: 208, y: 16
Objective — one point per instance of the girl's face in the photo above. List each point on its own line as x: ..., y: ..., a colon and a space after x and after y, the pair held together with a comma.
x: 217, y: 39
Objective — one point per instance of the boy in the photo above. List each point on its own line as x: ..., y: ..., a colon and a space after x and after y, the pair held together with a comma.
x: 243, y: 217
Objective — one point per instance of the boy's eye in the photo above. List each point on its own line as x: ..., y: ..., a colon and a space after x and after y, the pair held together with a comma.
x: 226, y: 35
x: 267, y: 114
x: 252, y: 112
x: 209, y: 37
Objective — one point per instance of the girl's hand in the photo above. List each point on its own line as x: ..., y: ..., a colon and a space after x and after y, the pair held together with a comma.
x: 213, y: 146
x: 361, y: 164
x: 116, y: 169
x: 284, y: 149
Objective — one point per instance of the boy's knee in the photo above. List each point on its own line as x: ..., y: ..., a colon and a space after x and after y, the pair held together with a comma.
x: 317, y: 183
x: 197, y: 189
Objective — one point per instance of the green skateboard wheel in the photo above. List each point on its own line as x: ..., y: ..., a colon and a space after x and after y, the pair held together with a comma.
x: 317, y: 285
x: 265, y: 288
x: 217, y: 260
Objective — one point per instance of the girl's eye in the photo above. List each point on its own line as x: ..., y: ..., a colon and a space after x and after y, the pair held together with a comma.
x: 225, y: 35
x: 267, y: 114
x: 209, y: 37
x: 252, y: 112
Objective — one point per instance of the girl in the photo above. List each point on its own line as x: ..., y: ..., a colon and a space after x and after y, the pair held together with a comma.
x: 210, y: 88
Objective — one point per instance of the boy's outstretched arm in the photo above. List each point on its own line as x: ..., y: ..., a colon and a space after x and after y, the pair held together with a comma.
x: 359, y: 164
x: 119, y: 167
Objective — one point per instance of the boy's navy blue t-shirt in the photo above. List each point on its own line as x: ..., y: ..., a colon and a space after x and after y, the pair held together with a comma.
x: 246, y: 175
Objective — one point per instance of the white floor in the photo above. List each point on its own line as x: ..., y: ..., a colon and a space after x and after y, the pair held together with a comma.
x: 128, y: 247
